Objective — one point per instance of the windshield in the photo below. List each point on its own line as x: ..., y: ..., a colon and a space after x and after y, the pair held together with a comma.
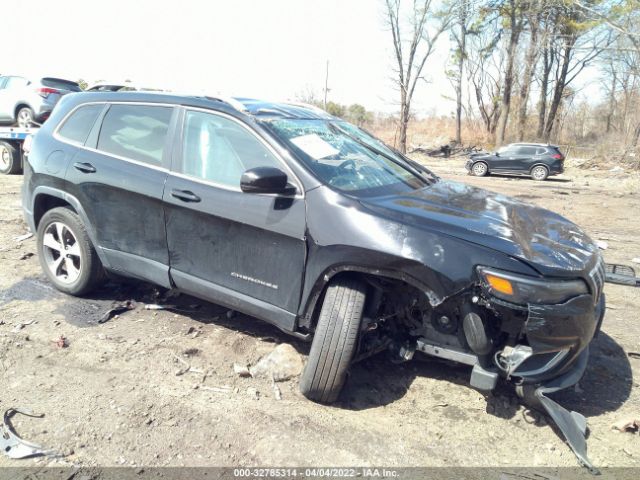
x: 345, y: 157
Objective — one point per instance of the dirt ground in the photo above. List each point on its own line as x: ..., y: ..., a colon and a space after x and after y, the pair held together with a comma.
x: 116, y: 395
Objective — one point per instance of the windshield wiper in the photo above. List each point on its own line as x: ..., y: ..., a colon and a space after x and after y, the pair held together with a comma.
x: 411, y: 165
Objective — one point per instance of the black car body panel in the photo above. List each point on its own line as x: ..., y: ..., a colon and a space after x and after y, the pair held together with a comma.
x: 272, y: 255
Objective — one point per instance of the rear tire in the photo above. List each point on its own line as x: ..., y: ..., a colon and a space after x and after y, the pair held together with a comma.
x: 10, y: 159
x: 335, y: 341
x: 539, y: 173
x: 479, y: 169
x: 66, y: 253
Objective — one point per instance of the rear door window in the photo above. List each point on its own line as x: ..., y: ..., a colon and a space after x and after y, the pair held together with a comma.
x: 3, y: 80
x: 135, y: 132
x: 76, y: 128
x: 220, y: 150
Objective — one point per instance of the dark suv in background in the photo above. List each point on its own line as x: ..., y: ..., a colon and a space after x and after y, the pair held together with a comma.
x: 534, y: 159
x: 305, y: 221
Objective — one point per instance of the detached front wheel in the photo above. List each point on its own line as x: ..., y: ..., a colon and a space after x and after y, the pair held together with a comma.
x: 335, y: 340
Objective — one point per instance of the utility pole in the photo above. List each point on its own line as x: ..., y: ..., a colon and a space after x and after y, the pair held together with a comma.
x: 326, y: 85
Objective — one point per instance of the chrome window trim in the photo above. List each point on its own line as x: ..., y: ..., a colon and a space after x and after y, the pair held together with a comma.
x: 274, y: 152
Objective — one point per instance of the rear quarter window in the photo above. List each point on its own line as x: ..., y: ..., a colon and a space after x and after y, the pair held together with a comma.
x: 136, y: 132
x: 526, y: 150
x: 541, y: 151
x: 77, y: 126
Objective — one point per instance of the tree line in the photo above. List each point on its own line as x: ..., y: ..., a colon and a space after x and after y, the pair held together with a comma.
x: 516, y: 65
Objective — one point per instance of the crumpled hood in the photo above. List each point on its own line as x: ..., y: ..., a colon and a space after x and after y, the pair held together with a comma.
x: 547, y: 241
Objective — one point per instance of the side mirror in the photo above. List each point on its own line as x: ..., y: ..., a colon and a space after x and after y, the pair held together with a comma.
x: 265, y: 180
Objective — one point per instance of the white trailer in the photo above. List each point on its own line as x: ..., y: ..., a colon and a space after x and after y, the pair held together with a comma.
x: 12, y: 148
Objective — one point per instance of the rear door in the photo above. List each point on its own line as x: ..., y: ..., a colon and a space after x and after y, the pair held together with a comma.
x: 243, y: 250
x: 525, y: 158
x: 118, y: 177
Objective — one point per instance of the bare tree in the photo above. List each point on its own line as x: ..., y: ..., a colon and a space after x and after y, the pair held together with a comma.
x: 512, y: 11
x: 485, y: 67
x: 463, y: 15
x: 425, y: 25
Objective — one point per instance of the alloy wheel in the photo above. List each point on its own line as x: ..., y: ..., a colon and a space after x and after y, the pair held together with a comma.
x: 25, y: 119
x: 479, y: 169
x: 62, y: 252
x: 539, y: 173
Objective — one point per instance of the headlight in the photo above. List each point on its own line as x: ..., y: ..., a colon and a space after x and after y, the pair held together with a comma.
x: 524, y: 290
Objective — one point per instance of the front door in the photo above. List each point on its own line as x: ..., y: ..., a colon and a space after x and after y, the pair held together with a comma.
x: 243, y: 250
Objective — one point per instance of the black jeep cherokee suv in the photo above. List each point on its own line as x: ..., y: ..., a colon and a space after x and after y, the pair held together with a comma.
x: 286, y: 213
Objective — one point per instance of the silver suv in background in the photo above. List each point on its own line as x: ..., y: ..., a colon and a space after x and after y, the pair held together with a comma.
x: 24, y: 102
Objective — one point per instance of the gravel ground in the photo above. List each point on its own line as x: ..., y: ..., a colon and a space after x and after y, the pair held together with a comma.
x: 119, y: 395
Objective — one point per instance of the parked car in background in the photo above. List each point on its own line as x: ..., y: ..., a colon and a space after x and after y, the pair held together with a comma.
x: 537, y: 160
x: 25, y: 102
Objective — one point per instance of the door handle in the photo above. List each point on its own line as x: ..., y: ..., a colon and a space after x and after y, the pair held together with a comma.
x: 84, y: 167
x: 185, y: 195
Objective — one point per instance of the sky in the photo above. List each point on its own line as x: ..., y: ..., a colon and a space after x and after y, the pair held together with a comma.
x: 268, y: 49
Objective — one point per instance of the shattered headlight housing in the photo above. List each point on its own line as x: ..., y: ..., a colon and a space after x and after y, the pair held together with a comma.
x: 523, y: 290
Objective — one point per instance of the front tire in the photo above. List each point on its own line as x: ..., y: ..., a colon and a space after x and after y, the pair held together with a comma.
x: 479, y: 169
x: 10, y: 159
x: 66, y: 253
x: 539, y: 173
x: 335, y: 341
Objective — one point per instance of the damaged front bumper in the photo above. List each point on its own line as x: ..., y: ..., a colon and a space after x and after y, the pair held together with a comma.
x: 556, y: 358
x: 556, y: 335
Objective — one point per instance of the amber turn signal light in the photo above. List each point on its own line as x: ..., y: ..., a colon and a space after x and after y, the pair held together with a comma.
x: 500, y: 284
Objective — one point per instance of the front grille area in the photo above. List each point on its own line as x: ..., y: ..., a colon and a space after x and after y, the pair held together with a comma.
x: 596, y: 279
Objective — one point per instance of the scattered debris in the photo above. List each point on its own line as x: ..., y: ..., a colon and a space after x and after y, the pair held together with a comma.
x: 276, y: 390
x: 175, y: 308
x: 621, y: 274
x: 253, y: 393
x: 627, y: 425
x: 602, y: 245
x: 189, y: 352
x: 26, y: 255
x: 185, y: 369
x: 61, y: 342
x: 634, y: 354
x: 560, y: 192
x: 155, y: 306
x: 223, y: 389
x: 281, y: 364
x: 117, y: 309
x: 22, y: 238
x: 15, y: 447
x: 241, y: 370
